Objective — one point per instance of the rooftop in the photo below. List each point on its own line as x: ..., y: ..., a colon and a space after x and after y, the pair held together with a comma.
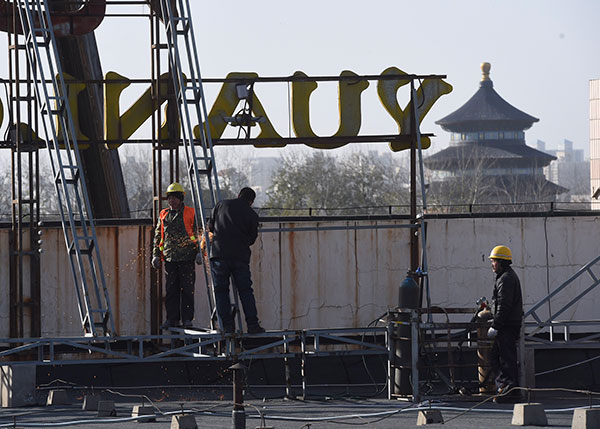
x: 486, y: 110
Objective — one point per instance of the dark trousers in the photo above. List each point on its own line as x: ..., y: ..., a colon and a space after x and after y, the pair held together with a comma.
x: 222, y: 270
x: 504, y: 357
x: 180, y: 280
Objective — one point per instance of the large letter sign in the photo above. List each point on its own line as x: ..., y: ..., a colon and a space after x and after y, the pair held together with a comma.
x: 349, y: 105
x: 431, y: 90
x: 120, y: 127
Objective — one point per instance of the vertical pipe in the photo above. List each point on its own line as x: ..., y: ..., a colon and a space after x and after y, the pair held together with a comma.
x: 155, y: 275
x: 391, y: 355
x: 414, y: 325
x: 239, y: 413
x: 288, y: 371
x: 527, y: 365
x: 13, y: 113
x: 414, y: 239
x: 303, y: 364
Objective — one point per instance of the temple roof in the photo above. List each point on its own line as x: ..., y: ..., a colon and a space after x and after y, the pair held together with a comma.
x: 494, y: 151
x: 486, y: 111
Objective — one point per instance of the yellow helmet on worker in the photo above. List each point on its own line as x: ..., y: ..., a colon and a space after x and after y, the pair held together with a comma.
x: 175, y: 188
x: 501, y: 252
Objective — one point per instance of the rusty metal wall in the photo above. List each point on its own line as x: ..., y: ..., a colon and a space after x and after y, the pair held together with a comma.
x: 340, y: 278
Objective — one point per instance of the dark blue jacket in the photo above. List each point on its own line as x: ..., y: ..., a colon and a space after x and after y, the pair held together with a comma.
x: 508, y: 301
x: 235, y: 227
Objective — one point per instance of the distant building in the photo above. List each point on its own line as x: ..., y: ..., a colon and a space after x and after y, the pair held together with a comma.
x: 570, y: 170
x: 488, y: 160
x: 595, y: 142
x: 260, y: 172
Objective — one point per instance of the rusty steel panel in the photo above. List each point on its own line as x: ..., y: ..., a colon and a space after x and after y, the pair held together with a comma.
x: 340, y: 278
x: 326, y: 279
x: 126, y: 270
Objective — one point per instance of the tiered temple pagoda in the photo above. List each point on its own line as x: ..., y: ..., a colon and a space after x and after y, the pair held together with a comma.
x: 488, y: 160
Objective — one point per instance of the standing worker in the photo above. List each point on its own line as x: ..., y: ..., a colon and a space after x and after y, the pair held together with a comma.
x: 234, y: 225
x: 506, y: 324
x: 175, y: 240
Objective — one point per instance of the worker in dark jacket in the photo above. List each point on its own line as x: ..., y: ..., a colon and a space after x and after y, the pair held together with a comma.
x: 234, y: 225
x: 175, y: 241
x: 506, y: 323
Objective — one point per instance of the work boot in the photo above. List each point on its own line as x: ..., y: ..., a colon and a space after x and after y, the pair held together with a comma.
x: 228, y: 329
x: 255, y: 329
x: 167, y: 324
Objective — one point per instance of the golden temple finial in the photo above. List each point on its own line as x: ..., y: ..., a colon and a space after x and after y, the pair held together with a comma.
x: 485, y: 71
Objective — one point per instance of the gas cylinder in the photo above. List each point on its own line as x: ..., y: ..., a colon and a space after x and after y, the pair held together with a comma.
x: 408, y: 298
x: 408, y: 293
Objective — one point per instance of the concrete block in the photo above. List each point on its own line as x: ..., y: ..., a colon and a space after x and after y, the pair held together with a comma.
x: 183, y: 421
x: 529, y: 415
x: 90, y: 403
x: 586, y: 418
x: 141, y: 410
x: 106, y: 409
x: 17, y: 385
x: 427, y: 417
x: 57, y: 397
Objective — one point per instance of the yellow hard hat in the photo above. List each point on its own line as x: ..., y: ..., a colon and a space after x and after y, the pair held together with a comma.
x: 501, y: 252
x: 175, y: 187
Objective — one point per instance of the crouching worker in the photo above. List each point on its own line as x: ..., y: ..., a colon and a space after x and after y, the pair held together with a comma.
x: 175, y: 240
x: 506, y: 324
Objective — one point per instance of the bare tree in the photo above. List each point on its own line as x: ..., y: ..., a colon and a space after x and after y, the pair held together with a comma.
x: 471, y: 180
x: 321, y: 184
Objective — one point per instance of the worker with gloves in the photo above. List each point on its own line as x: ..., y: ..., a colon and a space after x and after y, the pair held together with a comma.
x: 175, y: 242
x: 234, y: 225
x: 506, y: 324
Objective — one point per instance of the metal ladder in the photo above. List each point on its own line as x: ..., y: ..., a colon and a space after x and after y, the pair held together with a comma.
x: 75, y: 211
x: 200, y: 162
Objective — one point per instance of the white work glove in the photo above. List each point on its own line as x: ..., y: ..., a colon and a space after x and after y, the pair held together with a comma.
x: 155, y: 262
x: 199, y: 258
x: 492, y: 333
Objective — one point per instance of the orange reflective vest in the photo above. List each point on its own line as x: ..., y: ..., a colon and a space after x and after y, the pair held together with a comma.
x: 188, y: 221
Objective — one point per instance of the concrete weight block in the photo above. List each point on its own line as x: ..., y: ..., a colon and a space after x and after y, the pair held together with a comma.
x: 17, y: 385
x: 57, y: 397
x: 140, y: 410
x: 183, y: 421
x: 529, y: 415
x: 90, y: 403
x: 586, y: 418
x: 106, y: 409
x: 427, y: 417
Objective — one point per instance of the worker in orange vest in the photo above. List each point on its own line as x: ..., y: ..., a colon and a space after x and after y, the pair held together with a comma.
x: 175, y: 242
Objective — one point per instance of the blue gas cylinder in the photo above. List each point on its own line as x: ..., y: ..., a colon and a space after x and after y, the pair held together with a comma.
x: 408, y: 293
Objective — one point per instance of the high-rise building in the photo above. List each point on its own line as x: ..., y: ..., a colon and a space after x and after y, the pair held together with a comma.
x: 260, y: 171
x: 570, y: 170
x: 595, y: 142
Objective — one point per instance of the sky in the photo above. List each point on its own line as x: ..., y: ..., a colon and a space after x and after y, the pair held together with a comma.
x: 543, y: 54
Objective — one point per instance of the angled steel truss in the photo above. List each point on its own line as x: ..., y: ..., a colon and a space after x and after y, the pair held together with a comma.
x: 536, y: 325
x: 194, y: 344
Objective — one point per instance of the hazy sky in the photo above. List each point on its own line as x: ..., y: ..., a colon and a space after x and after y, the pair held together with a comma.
x: 543, y: 54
